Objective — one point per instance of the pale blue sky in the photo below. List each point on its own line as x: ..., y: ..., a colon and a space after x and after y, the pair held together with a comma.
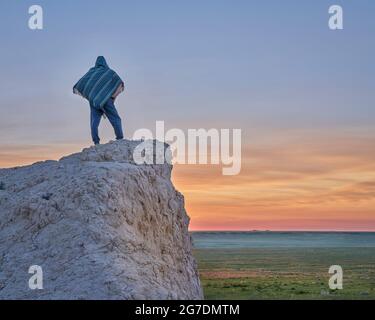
x: 266, y: 64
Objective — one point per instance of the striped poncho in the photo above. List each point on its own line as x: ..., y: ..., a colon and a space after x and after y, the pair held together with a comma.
x: 99, y: 84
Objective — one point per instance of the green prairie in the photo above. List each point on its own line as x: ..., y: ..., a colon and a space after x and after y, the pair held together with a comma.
x: 287, y: 273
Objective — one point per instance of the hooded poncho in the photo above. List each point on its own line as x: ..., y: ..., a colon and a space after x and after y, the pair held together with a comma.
x: 99, y: 84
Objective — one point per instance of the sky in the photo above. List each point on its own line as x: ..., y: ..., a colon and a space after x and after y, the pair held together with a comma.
x: 302, y: 94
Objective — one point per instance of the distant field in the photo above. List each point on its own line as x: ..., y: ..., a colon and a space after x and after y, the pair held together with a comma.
x: 287, y: 273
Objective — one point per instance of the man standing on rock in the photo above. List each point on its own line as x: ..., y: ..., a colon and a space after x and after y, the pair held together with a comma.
x: 100, y: 86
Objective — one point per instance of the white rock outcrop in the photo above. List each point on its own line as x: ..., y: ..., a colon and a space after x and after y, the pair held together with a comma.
x: 99, y: 226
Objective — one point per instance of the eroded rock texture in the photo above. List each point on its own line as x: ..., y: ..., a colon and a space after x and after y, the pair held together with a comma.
x: 99, y: 225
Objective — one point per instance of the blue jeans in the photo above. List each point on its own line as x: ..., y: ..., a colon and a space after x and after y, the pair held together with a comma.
x: 110, y: 111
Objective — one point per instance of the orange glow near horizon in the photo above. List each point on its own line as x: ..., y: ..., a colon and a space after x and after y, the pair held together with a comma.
x: 292, y: 183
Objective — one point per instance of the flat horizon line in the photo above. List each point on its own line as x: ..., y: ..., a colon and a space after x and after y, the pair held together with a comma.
x: 270, y: 231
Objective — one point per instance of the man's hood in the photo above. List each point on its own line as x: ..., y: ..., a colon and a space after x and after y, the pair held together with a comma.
x: 100, y: 62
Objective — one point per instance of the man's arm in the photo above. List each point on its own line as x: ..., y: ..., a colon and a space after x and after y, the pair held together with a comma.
x: 120, y: 89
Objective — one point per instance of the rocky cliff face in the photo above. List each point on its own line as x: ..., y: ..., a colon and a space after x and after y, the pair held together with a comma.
x: 99, y: 226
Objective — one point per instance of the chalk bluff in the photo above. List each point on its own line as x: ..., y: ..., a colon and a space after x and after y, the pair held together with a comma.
x: 99, y: 225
